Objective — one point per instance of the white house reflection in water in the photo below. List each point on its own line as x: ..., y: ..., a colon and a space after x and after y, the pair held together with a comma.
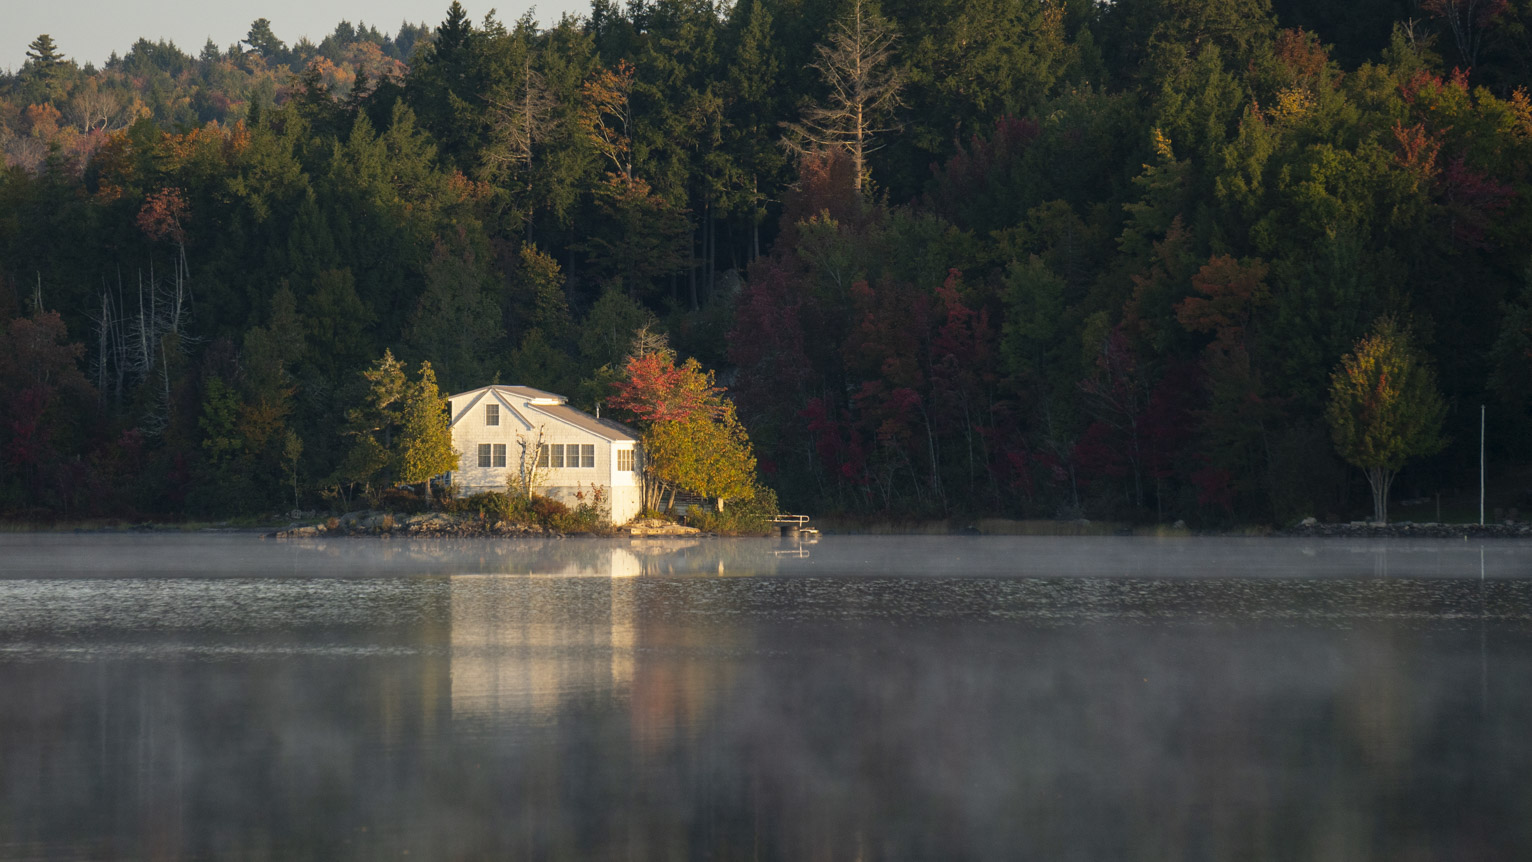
x: 517, y: 651
x: 567, y: 625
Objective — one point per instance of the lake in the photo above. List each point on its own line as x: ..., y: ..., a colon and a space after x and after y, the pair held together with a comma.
x: 208, y: 696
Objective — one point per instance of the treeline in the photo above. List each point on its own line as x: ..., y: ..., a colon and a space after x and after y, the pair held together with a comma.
x: 949, y: 257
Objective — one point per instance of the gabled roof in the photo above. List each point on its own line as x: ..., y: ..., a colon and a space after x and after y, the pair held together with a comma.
x: 605, y: 428
x: 536, y: 396
x: 548, y: 404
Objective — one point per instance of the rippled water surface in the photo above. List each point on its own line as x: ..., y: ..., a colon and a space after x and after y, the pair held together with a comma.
x: 223, y: 697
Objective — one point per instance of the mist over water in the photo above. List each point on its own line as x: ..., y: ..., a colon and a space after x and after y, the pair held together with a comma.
x: 211, y: 696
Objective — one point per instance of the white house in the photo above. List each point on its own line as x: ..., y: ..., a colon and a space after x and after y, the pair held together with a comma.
x: 499, y: 431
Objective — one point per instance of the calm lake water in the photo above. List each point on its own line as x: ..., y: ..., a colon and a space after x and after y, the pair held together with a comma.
x: 223, y: 697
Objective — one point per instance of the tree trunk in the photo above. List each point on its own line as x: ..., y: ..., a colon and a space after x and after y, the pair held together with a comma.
x: 712, y: 251
x: 691, y: 270
x: 1380, y: 479
x: 755, y: 223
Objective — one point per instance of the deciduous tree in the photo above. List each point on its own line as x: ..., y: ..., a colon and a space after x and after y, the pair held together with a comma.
x: 691, y: 436
x: 1384, y: 409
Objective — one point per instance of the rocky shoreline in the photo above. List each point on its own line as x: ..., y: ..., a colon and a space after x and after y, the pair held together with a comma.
x: 448, y: 525
x: 1310, y: 528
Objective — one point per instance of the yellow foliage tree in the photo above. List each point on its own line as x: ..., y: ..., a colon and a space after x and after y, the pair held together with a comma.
x: 425, y: 435
x: 708, y: 455
x: 1384, y: 409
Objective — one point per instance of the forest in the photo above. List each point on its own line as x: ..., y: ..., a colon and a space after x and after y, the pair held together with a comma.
x: 948, y: 259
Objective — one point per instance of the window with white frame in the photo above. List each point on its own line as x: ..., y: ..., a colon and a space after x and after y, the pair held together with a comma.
x: 483, y: 454
x: 492, y: 414
x: 625, y: 460
x: 499, y: 455
x: 567, y: 456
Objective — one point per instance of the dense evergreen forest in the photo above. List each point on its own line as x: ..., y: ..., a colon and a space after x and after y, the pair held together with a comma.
x: 1033, y: 258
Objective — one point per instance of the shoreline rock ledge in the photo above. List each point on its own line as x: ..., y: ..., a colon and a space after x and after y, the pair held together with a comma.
x: 1311, y: 527
x: 655, y: 528
x: 461, y: 524
x: 424, y: 525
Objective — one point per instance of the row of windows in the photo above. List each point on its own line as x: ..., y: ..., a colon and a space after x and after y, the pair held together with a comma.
x: 562, y: 455
x: 566, y: 455
x: 581, y: 455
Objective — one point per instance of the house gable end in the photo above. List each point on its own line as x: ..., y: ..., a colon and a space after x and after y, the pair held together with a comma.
x: 497, y: 396
x: 471, y: 404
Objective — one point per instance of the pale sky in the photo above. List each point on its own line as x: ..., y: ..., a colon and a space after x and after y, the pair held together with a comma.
x: 90, y: 30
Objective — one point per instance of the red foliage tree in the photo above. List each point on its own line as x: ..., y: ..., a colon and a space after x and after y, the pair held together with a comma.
x: 163, y: 215
x: 654, y: 389
x: 44, y: 399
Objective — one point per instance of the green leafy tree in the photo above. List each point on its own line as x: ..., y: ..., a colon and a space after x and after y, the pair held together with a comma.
x: 707, y: 455
x: 425, y: 435
x: 752, y: 95
x: 336, y: 320
x: 607, y: 332
x: 1384, y: 409
x: 691, y: 437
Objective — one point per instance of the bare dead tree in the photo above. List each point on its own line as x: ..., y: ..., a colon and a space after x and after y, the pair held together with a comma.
x: 647, y: 341
x: 142, y: 354
x: 113, y: 358
x: 1466, y: 20
x: 522, y: 119
x: 531, y: 469
x: 92, y: 109
x: 857, y: 65
x: 25, y: 152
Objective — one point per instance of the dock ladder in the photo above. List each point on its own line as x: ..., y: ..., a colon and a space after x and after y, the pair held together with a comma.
x: 792, y: 526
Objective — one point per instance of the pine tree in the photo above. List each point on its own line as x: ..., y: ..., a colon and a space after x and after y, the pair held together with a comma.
x: 44, y: 73
x: 265, y: 42
x: 372, y: 425
x: 42, y: 54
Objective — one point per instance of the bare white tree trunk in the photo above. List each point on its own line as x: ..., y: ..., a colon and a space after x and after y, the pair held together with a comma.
x: 857, y: 65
